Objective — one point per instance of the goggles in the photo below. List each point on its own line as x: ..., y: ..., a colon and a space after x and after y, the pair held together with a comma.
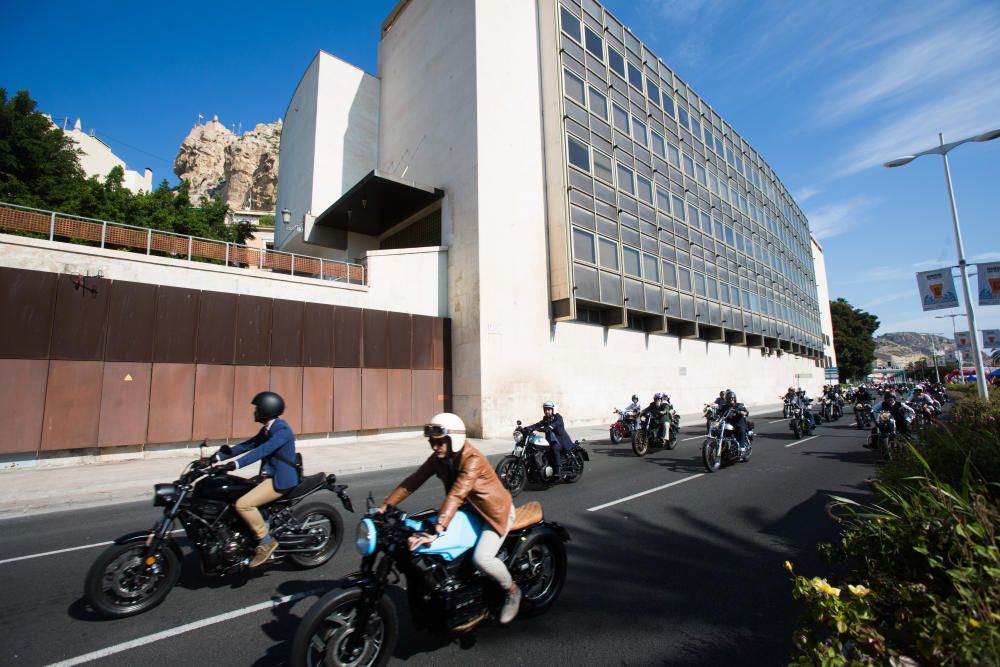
x: 438, y: 431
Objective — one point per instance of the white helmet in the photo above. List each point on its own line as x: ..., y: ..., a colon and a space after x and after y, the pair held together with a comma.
x: 447, y: 425
x: 547, y: 405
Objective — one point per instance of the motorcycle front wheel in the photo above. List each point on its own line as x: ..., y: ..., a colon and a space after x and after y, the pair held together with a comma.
x: 797, y: 430
x: 884, y: 447
x: 512, y: 474
x: 576, y: 462
x: 324, y: 523
x: 119, y: 583
x: 539, y: 570
x: 640, y: 443
x: 615, y: 437
x: 323, y: 635
x: 672, y: 439
x: 711, y: 454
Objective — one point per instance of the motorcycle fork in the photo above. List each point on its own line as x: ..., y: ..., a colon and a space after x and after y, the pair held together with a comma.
x: 160, y: 531
x: 370, y: 596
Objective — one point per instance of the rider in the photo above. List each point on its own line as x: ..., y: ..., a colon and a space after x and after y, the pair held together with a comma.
x: 802, y: 401
x: 861, y: 395
x: 555, y: 433
x: 736, y: 413
x: 901, y: 413
x: 720, y: 402
x: 659, y: 412
x: 789, y: 395
x: 468, y: 477
x: 274, y: 447
x: 920, y: 399
x: 632, y: 408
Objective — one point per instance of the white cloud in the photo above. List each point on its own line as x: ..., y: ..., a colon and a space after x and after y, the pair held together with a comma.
x: 805, y: 194
x: 984, y: 257
x: 834, y: 219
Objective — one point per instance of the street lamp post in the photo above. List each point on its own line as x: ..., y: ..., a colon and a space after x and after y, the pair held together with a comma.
x: 942, y: 149
x: 954, y: 338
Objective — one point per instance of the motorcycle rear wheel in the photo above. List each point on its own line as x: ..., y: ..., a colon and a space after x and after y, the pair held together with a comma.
x: 512, y: 474
x: 711, y: 454
x: 640, y: 443
x: 118, y: 584
x: 539, y: 569
x: 323, y: 521
x: 573, y: 458
x: 321, y: 638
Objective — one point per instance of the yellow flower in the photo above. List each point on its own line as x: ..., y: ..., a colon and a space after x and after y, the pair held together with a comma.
x: 788, y: 566
x: 859, y: 591
x: 824, y: 587
x: 974, y: 623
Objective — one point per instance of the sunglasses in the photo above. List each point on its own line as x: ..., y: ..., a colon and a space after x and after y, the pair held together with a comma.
x: 437, y: 442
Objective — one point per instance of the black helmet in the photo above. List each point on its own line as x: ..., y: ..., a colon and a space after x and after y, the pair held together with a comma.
x: 268, y: 406
x: 635, y: 398
x: 730, y: 396
x: 889, y: 396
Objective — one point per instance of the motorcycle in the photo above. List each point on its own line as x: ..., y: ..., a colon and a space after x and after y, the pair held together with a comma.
x: 529, y: 462
x: 788, y: 407
x: 137, y: 572
x: 863, y: 415
x: 883, y: 436
x: 643, y: 438
x: 799, y: 424
x: 925, y: 416
x: 357, y: 623
x: 624, y: 427
x: 827, y: 410
x: 721, y: 447
x: 711, y: 413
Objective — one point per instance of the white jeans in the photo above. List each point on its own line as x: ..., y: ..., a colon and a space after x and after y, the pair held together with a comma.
x: 485, y: 555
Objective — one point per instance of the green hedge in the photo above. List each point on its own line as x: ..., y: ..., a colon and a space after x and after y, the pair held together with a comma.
x: 919, y: 567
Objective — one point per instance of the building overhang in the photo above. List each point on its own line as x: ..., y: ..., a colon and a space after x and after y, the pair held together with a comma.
x: 377, y: 203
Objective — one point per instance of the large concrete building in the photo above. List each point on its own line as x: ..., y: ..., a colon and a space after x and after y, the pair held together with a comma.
x: 607, y: 231
x: 97, y: 160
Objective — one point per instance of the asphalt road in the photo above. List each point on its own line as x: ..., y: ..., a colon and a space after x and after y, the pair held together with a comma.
x: 687, y: 574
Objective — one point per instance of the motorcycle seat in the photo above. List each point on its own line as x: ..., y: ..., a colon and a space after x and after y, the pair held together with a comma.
x: 527, y: 515
x: 306, y: 485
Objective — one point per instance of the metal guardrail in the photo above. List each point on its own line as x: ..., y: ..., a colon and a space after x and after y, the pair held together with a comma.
x: 116, y: 236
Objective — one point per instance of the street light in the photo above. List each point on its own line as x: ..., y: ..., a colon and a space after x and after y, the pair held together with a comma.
x: 942, y: 149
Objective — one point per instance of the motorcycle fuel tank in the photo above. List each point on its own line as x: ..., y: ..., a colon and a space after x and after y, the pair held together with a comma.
x: 228, y: 488
x: 461, y: 535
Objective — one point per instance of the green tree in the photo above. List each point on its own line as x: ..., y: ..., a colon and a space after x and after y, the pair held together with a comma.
x: 853, y: 340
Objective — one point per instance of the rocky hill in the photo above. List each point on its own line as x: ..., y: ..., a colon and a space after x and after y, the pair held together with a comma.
x: 899, y: 349
x: 242, y: 170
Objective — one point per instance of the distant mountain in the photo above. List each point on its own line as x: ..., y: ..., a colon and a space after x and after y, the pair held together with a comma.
x: 899, y: 349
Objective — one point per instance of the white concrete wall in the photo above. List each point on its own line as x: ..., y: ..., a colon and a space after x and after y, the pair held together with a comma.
x: 328, y: 143
x: 422, y: 270
x: 823, y: 294
x: 428, y: 133
x: 97, y: 159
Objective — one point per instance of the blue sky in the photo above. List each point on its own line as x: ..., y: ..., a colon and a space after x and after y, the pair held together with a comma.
x: 825, y: 91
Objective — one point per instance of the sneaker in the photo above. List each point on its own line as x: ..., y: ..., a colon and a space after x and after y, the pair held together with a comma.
x: 511, y: 605
x: 263, y: 552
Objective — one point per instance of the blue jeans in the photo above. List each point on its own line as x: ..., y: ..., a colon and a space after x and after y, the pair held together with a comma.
x: 808, y: 415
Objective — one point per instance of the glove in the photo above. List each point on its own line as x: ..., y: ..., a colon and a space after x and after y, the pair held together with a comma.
x: 226, y: 449
x: 225, y: 467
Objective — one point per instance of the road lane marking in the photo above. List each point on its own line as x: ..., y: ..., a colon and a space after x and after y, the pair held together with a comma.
x: 643, y: 493
x: 696, y: 437
x: 63, y: 551
x: 181, y: 629
x: 778, y: 420
x: 799, y: 442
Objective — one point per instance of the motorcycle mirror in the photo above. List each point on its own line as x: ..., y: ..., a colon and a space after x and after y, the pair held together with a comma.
x: 518, y: 422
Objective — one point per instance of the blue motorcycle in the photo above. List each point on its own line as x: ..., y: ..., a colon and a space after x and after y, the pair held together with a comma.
x: 356, y: 624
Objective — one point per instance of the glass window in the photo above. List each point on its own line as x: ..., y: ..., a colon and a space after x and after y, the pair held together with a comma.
x: 651, y: 267
x: 678, y: 207
x: 602, y: 167
x: 699, y: 173
x: 630, y: 261
x: 574, y: 87
x: 718, y: 147
x: 669, y: 275
x: 598, y: 103
x: 684, y: 278
x: 609, y: 253
x: 706, y: 222
x: 625, y: 182
x: 689, y: 166
x: 617, y: 62
x: 673, y: 155
x: 620, y: 117
x: 709, y: 139
x: 699, y: 283
x: 716, y: 225
x: 724, y: 292
x: 729, y: 236
x: 668, y: 104
x: 595, y: 44
x: 739, y: 242
x: 734, y: 294
x: 639, y: 131
x: 682, y: 116
x: 659, y: 144
x: 635, y: 76
x: 653, y: 92
x: 662, y: 199
x: 644, y: 188
x: 583, y: 245
x: 695, y: 126
x: 579, y: 155
x: 713, y: 288
x: 570, y: 23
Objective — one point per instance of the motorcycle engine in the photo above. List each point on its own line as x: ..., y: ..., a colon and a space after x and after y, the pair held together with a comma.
x: 461, y: 603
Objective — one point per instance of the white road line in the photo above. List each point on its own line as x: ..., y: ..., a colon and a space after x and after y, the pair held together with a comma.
x: 778, y: 420
x: 697, y: 437
x: 799, y: 442
x: 63, y: 551
x: 181, y: 629
x: 643, y: 493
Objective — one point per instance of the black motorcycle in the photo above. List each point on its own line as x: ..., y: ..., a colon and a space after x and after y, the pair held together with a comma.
x: 863, y: 414
x: 357, y: 623
x: 135, y: 573
x: 645, y: 436
x: 721, y: 447
x: 529, y: 462
x: 884, y: 437
x: 711, y: 413
x: 789, y: 405
x: 799, y: 424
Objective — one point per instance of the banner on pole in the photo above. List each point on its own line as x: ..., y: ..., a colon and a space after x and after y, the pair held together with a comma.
x: 937, y: 289
x: 991, y: 338
x: 989, y: 283
x: 963, y: 341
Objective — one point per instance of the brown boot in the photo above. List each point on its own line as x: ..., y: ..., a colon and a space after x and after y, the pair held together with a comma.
x: 263, y: 552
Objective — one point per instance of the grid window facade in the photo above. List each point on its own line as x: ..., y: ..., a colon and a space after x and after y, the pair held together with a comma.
x: 673, y: 211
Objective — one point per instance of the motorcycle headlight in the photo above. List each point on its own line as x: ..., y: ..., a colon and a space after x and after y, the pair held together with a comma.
x: 798, y: 412
x: 884, y: 417
x: 164, y: 495
x: 365, y: 539
x: 518, y: 437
